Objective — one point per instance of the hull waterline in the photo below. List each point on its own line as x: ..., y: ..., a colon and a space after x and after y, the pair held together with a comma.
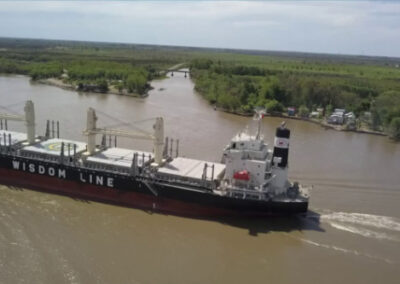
x: 133, y: 199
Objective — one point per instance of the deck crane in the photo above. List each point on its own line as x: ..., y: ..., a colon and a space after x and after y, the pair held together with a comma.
x: 157, y: 136
x: 28, y: 118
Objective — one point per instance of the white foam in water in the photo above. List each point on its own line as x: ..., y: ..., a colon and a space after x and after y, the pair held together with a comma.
x: 343, y: 250
x: 368, y: 220
x: 366, y: 225
x: 364, y: 232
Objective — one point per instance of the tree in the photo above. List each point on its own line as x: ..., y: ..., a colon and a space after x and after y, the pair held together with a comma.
x: 102, y: 85
x: 119, y: 86
x: 348, y: 100
x: 304, y: 111
x: 329, y: 110
x: 136, y: 82
x: 386, y: 105
x: 274, y: 106
x: 201, y: 63
x: 395, y: 128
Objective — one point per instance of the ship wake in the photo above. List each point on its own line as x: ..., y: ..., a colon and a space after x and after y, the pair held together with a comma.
x: 366, y: 225
x: 345, y: 251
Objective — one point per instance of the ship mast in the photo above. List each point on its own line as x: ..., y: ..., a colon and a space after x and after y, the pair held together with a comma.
x: 28, y: 118
x: 157, y: 136
x: 258, y: 116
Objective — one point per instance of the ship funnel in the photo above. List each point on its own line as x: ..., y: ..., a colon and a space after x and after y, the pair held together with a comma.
x: 281, y: 146
x: 30, y: 121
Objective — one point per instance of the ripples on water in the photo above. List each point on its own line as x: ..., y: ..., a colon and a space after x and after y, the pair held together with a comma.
x: 45, y: 237
x: 351, y: 234
x: 365, y: 225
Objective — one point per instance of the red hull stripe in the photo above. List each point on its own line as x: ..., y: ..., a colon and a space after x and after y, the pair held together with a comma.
x: 109, y: 195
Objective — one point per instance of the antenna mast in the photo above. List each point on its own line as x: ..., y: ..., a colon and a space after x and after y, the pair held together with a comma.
x: 258, y: 116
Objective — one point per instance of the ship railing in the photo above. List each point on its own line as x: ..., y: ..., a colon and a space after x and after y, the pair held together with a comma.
x: 36, y: 156
x: 5, y: 149
x: 247, y: 193
x: 156, y: 177
x: 8, y: 148
x: 107, y: 168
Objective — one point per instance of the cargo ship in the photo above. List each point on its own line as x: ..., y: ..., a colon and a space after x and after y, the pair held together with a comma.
x: 250, y: 180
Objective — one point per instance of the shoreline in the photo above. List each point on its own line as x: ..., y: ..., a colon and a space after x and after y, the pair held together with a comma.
x: 321, y: 123
x: 60, y: 84
x: 55, y: 82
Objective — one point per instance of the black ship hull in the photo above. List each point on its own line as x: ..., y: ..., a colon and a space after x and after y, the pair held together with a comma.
x: 126, y: 190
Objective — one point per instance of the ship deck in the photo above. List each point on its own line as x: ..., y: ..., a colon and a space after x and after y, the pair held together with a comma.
x: 191, y: 168
x: 119, y: 157
x: 16, y: 137
x: 52, y: 147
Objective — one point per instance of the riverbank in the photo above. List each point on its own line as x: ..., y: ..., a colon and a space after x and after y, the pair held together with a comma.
x: 111, y: 89
x: 321, y: 122
x: 68, y: 86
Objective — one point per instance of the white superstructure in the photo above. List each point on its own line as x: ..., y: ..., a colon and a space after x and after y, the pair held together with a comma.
x: 252, y: 168
x: 248, y: 154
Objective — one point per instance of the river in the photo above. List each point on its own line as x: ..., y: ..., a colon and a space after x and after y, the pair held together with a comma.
x: 350, y: 235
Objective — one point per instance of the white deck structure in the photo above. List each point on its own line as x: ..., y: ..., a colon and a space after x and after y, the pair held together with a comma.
x: 16, y: 137
x: 118, y: 157
x: 52, y: 147
x: 191, y: 169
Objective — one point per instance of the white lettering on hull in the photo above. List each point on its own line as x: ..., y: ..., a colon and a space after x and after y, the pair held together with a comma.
x: 99, y: 180
x: 95, y: 179
x: 41, y: 170
x: 81, y: 178
x: 32, y: 168
x: 62, y: 173
x: 15, y: 165
x: 110, y: 182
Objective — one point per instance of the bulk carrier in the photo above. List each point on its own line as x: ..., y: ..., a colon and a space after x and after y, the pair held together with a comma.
x: 251, y: 179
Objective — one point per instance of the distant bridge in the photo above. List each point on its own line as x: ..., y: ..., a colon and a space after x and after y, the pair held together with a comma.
x: 172, y: 71
x: 178, y: 68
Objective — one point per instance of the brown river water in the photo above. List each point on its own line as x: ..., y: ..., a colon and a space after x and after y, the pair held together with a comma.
x: 350, y: 235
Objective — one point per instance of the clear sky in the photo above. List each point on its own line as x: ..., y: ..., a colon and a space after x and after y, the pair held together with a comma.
x: 341, y: 27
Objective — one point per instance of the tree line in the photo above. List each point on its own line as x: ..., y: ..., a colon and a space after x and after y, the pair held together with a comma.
x: 239, y: 88
x: 125, y: 68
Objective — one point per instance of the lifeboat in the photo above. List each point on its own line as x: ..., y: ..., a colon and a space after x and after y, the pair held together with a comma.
x: 242, y: 175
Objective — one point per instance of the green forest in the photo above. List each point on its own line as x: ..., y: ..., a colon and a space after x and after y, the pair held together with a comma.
x: 123, y: 67
x: 233, y: 80
x: 240, y: 84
